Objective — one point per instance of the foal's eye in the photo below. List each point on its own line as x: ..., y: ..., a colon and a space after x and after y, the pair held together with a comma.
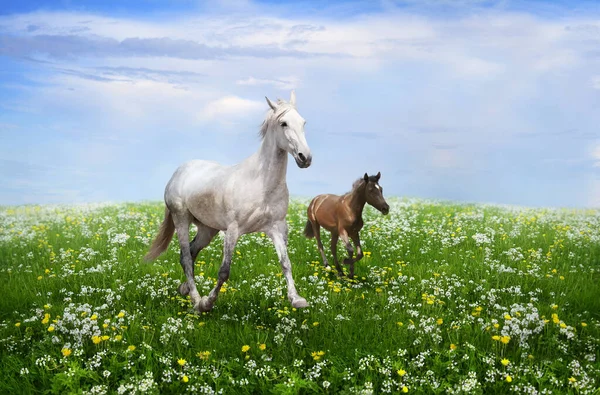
x: 284, y: 124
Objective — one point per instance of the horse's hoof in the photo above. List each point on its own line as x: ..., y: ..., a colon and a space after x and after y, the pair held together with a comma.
x: 299, y: 303
x: 203, y: 305
x: 183, y: 289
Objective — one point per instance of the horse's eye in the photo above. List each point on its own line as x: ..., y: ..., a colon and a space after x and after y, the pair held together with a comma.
x: 284, y: 124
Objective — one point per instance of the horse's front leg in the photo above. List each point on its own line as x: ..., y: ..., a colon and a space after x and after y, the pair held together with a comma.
x: 231, y: 238
x: 278, y: 232
x: 334, y: 241
x: 350, y: 260
x: 359, y: 253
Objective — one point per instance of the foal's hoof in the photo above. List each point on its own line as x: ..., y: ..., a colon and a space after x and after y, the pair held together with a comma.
x: 183, y: 289
x: 299, y: 302
x: 347, y: 261
x: 204, y: 305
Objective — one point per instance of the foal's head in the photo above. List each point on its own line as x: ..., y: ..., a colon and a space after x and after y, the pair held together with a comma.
x: 374, y: 193
x: 288, y: 128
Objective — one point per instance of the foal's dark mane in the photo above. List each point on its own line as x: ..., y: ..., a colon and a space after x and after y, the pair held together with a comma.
x: 359, y: 183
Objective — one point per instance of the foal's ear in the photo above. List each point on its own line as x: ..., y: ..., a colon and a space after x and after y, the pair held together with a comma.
x: 293, y: 98
x: 378, y: 176
x: 271, y: 104
x: 366, y: 177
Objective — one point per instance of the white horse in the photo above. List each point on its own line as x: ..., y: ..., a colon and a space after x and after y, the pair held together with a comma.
x: 251, y: 196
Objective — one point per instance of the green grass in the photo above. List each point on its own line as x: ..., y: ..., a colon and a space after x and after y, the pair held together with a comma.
x: 441, y: 287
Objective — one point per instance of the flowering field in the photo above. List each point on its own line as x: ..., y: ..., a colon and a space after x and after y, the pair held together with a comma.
x: 448, y: 299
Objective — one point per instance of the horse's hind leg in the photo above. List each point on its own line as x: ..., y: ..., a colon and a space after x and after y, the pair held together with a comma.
x: 359, y: 254
x: 334, y: 240
x: 231, y: 238
x: 182, y: 225
x: 203, y: 238
x: 317, y: 231
x: 350, y: 260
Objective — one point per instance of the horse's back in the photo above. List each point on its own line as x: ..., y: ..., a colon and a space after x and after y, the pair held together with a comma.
x: 322, y: 209
x: 191, y: 178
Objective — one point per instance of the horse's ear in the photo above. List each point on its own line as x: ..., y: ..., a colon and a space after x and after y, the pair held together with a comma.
x: 378, y: 176
x: 271, y: 104
x: 293, y: 98
x: 366, y: 177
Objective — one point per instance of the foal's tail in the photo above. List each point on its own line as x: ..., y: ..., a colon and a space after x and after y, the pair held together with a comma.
x: 165, y: 234
x: 308, y: 230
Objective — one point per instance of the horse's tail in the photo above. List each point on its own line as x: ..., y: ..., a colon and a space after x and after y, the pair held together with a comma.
x: 165, y: 234
x: 308, y: 230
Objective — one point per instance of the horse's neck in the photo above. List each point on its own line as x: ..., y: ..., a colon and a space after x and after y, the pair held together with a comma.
x: 357, y: 199
x: 271, y: 162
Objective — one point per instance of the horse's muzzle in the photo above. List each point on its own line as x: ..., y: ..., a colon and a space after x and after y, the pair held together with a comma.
x: 385, y: 209
x: 303, y: 161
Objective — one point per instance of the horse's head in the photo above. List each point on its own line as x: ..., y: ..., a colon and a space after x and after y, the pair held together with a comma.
x: 287, y: 125
x: 374, y: 193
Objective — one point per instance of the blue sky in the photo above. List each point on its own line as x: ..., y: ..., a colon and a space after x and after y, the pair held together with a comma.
x: 479, y: 101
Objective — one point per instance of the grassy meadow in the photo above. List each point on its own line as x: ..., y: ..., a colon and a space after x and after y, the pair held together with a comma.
x: 448, y: 299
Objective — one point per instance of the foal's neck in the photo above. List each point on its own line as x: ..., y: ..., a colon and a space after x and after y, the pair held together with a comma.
x: 357, y: 198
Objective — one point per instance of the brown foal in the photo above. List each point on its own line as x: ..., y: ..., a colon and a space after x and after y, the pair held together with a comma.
x: 342, y: 216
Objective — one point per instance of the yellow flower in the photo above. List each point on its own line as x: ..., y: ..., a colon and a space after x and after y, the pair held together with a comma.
x: 105, y: 337
x: 496, y: 325
x: 46, y: 319
x: 563, y: 325
x: 317, y: 355
x: 583, y: 324
x: 181, y: 361
x: 185, y: 378
x: 94, y: 317
x: 96, y: 339
x: 203, y: 355
x: 315, y: 323
x: 51, y: 328
x: 40, y: 277
x: 121, y: 314
x: 131, y: 348
x: 405, y: 389
x: 118, y: 338
x: 401, y: 372
x: 508, y: 379
x: 399, y: 323
x: 505, y: 339
x: 505, y: 362
x: 555, y: 318
x: 507, y: 317
x: 572, y: 379
x: 105, y: 325
x: 452, y: 346
x: 66, y: 352
x: 496, y: 337
x: 554, y: 307
x: 263, y: 346
x: 18, y: 324
x: 245, y: 348
x: 440, y: 321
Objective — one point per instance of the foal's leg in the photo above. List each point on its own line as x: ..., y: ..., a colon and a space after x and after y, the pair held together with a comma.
x: 231, y: 238
x: 279, y: 234
x: 359, y: 253
x: 317, y: 231
x: 182, y: 224
x: 350, y: 249
x: 334, y: 240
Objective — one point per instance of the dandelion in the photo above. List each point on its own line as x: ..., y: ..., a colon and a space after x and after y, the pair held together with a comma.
x: 46, y: 319
x: 572, y: 379
x: 96, y: 339
x: 508, y: 379
x: 317, y: 355
x: 555, y: 318
x: 401, y: 372
x: 121, y: 314
x: 262, y: 347
x: 315, y: 323
x: 185, y: 378
x: 452, y: 346
x: 118, y: 338
x: 40, y: 277
x: 507, y: 317
x: 18, y: 324
x: 66, y: 352
x: 496, y: 337
x: 204, y: 355
x: 51, y: 328
x: 440, y: 321
x: 505, y: 339
x: 131, y: 348
x: 181, y: 361
x: 583, y: 324
x: 399, y: 323
x: 245, y: 348
x: 505, y: 362
x: 554, y: 306
x: 405, y: 389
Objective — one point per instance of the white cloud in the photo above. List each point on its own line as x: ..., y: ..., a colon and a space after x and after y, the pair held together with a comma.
x: 596, y: 82
x: 280, y: 83
x: 230, y: 107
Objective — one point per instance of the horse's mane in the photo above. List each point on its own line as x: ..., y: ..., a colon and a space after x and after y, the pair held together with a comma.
x: 274, y: 116
x: 360, y: 182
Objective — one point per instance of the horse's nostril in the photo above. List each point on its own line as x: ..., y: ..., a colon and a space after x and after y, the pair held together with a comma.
x: 302, y: 157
